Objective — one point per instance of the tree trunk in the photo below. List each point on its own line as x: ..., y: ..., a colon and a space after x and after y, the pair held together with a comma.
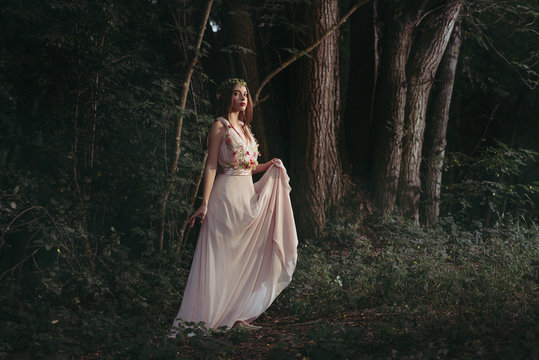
x: 435, y: 139
x: 362, y: 75
x: 241, y: 32
x: 390, y: 98
x: 315, y: 164
x: 426, y: 54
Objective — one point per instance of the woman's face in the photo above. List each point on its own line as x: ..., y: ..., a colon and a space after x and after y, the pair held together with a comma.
x: 239, y: 98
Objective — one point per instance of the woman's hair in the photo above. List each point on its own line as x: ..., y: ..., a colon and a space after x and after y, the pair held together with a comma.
x: 225, y: 103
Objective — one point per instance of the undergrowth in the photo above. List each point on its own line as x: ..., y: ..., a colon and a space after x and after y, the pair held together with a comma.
x: 440, y: 292
x: 394, y: 291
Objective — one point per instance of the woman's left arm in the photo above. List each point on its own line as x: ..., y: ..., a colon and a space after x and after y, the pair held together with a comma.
x: 265, y: 166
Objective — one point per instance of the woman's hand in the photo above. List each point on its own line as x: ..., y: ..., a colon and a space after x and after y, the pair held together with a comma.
x: 201, y: 212
x: 265, y: 166
x: 274, y: 161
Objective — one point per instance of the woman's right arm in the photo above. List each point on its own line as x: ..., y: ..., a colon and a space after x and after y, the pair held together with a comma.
x: 217, y: 132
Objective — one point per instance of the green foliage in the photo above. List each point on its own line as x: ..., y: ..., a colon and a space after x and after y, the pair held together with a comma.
x: 497, y: 73
x: 485, y: 184
x: 423, y: 293
x: 400, y: 292
x: 202, y: 343
x: 119, y: 308
x: 86, y: 142
x: 506, y: 30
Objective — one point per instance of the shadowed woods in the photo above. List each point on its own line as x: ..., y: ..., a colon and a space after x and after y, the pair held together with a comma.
x: 408, y: 130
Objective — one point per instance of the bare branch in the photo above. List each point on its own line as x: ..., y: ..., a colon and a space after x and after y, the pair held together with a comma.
x: 183, y: 101
x: 284, y: 65
x: 13, y: 268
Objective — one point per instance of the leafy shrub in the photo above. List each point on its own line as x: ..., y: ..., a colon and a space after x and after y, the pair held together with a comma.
x: 486, y: 185
x: 444, y: 291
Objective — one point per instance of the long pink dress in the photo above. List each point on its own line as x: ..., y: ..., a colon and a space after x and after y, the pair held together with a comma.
x: 246, y: 249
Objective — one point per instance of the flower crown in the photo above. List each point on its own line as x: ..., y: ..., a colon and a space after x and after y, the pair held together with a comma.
x: 229, y: 84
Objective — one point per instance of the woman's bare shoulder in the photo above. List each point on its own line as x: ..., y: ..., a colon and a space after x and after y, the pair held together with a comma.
x: 218, y: 125
x: 220, y: 122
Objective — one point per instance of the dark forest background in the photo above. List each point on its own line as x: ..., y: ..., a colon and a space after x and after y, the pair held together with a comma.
x: 409, y: 134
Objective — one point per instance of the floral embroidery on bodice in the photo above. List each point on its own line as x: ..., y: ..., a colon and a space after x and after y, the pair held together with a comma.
x: 237, y: 156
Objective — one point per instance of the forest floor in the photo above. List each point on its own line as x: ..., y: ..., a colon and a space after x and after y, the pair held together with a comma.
x: 290, y: 338
x: 285, y: 337
x: 439, y: 308
x: 430, y: 295
x: 390, y: 290
x: 288, y: 335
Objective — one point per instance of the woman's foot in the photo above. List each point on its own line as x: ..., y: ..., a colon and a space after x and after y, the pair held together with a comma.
x: 243, y: 324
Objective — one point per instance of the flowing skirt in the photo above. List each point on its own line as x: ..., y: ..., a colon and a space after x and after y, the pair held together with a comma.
x: 246, y: 250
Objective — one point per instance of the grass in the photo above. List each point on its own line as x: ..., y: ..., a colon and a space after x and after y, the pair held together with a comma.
x: 403, y: 292
x: 389, y: 290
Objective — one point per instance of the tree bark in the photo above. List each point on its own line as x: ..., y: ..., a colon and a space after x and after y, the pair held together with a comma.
x: 317, y: 174
x: 429, y: 47
x: 363, y: 69
x: 389, y: 104
x: 435, y: 139
x: 241, y: 32
x: 326, y: 33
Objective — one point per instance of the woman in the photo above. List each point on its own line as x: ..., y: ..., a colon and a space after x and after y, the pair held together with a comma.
x: 246, y: 249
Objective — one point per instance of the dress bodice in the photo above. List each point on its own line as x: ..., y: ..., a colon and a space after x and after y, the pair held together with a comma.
x: 236, y: 155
